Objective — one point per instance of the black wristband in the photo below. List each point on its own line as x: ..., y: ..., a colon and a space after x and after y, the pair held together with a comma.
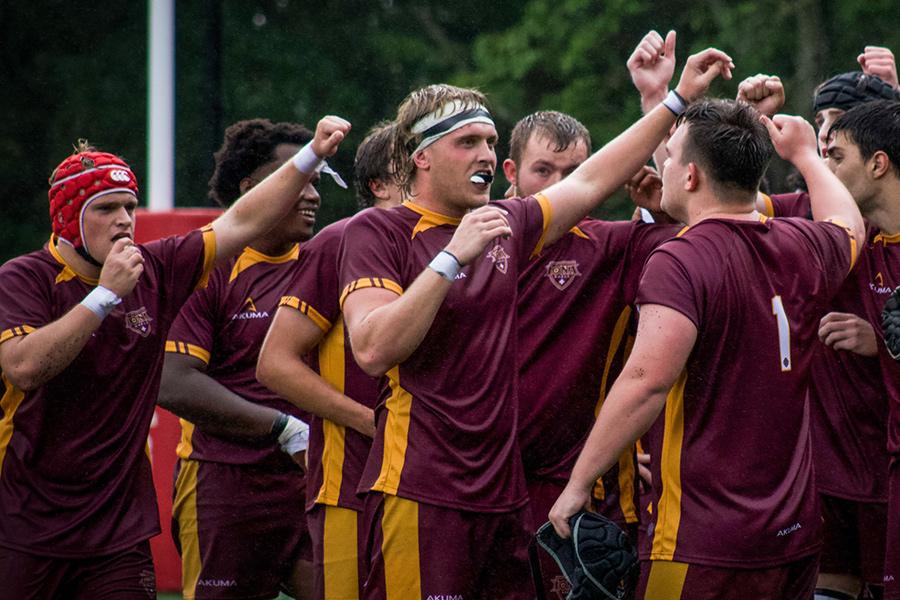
x: 278, y: 425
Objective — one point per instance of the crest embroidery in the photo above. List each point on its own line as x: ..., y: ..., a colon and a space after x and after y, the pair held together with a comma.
x: 562, y: 273
x: 499, y: 257
x: 138, y: 321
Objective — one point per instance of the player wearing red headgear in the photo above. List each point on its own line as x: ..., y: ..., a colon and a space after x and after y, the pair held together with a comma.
x: 83, y: 323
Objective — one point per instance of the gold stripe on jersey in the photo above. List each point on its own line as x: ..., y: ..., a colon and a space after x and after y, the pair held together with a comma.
x: 666, y: 580
x: 340, y: 549
x: 9, y: 403
x: 185, y: 446
x: 579, y: 232
x: 770, y: 206
x: 668, y: 517
x: 332, y: 355
x: 209, y: 256
x: 369, y: 282
x: 314, y: 315
x: 250, y: 257
x: 396, y: 434
x: 626, y: 486
x: 68, y: 272
x: 15, y: 332
x: 547, y: 214
x: 428, y: 219
x: 885, y: 239
x: 174, y: 347
x: 853, y: 247
x: 184, y: 509
x: 400, y: 548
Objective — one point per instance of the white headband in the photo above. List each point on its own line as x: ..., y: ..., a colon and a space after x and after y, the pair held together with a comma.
x: 447, y: 119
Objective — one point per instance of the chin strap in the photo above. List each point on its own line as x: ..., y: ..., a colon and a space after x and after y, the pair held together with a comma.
x: 83, y: 253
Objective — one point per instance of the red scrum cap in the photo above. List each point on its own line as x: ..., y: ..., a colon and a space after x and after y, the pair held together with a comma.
x: 79, y: 180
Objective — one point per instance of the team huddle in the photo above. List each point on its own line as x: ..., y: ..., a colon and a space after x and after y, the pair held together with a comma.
x: 391, y: 408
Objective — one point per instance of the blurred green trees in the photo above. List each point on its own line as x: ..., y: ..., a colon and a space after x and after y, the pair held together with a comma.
x: 73, y: 70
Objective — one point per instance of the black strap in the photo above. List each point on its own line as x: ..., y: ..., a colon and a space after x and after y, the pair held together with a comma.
x: 535, y: 562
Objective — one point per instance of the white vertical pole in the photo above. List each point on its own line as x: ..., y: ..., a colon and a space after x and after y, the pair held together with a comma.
x: 161, y: 105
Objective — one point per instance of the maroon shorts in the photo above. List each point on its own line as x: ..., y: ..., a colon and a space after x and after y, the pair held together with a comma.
x: 240, y: 529
x: 854, y: 538
x: 892, y: 550
x: 419, y: 550
x: 124, y: 575
x: 668, y: 580
x: 542, y: 495
x: 338, y: 551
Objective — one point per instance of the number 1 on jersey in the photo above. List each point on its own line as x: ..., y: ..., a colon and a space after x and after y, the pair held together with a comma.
x: 784, y: 333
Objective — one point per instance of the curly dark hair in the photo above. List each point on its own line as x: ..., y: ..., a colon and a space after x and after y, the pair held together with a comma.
x: 248, y: 145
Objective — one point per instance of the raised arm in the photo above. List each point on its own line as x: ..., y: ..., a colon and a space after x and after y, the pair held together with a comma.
x: 664, y: 340
x: 614, y: 164
x: 281, y: 368
x: 651, y: 66
x: 795, y: 141
x: 257, y: 211
x: 385, y: 329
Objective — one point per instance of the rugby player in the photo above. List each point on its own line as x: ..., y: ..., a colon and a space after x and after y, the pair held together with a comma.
x: 864, y: 153
x: 306, y: 359
x: 735, y: 506
x: 429, y: 300
x: 83, y: 324
x: 237, y: 516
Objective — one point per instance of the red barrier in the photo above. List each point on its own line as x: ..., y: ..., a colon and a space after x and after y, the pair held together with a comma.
x: 165, y: 430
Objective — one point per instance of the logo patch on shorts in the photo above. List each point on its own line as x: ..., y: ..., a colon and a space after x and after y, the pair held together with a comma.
x: 561, y: 587
x: 499, y: 257
x: 148, y: 582
x: 138, y: 321
x: 562, y: 273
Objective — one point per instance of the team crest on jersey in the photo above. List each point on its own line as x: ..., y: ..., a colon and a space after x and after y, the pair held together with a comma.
x: 250, y: 311
x: 562, y: 273
x: 561, y: 587
x: 500, y: 258
x: 139, y: 321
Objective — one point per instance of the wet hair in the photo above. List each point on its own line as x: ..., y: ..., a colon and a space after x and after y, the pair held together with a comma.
x: 249, y: 145
x: 558, y: 128
x: 873, y: 126
x: 373, y: 162
x: 415, y: 106
x: 728, y: 141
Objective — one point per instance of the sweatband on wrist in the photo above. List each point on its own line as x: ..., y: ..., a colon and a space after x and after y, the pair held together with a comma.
x: 278, y: 425
x: 306, y: 160
x: 295, y: 437
x: 101, y: 301
x: 446, y: 265
x: 674, y: 102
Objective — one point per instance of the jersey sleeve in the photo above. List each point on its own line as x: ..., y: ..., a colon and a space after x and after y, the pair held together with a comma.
x: 833, y: 249
x: 25, y: 302
x: 529, y: 218
x: 193, y: 332
x: 370, y: 255
x: 314, y: 287
x: 644, y: 239
x: 185, y: 262
x: 788, y: 205
x: 666, y: 280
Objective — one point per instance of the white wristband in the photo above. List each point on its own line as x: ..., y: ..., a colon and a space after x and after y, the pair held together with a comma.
x: 295, y: 436
x: 446, y: 265
x: 306, y: 160
x: 674, y: 102
x: 101, y: 301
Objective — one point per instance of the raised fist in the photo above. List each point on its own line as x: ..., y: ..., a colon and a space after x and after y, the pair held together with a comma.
x: 122, y: 268
x: 700, y: 70
x: 652, y: 64
x: 330, y: 132
x: 877, y: 60
x: 763, y: 92
x: 792, y: 137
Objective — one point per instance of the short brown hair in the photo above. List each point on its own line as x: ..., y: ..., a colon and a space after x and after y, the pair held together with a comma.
x: 415, y: 106
x: 373, y: 161
x: 727, y: 139
x: 559, y: 128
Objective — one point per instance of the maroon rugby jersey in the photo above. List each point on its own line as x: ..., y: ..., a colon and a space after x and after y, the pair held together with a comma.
x: 446, y: 420
x: 75, y: 476
x: 732, y: 471
x: 224, y: 326
x: 849, y: 404
x: 574, y: 313
x: 336, y: 454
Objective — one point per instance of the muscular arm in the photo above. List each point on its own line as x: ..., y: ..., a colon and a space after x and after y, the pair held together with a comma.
x: 32, y: 360
x: 187, y: 391
x: 665, y: 338
x: 281, y: 369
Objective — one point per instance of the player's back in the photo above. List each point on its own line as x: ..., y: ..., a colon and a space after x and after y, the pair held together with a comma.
x: 734, y: 467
